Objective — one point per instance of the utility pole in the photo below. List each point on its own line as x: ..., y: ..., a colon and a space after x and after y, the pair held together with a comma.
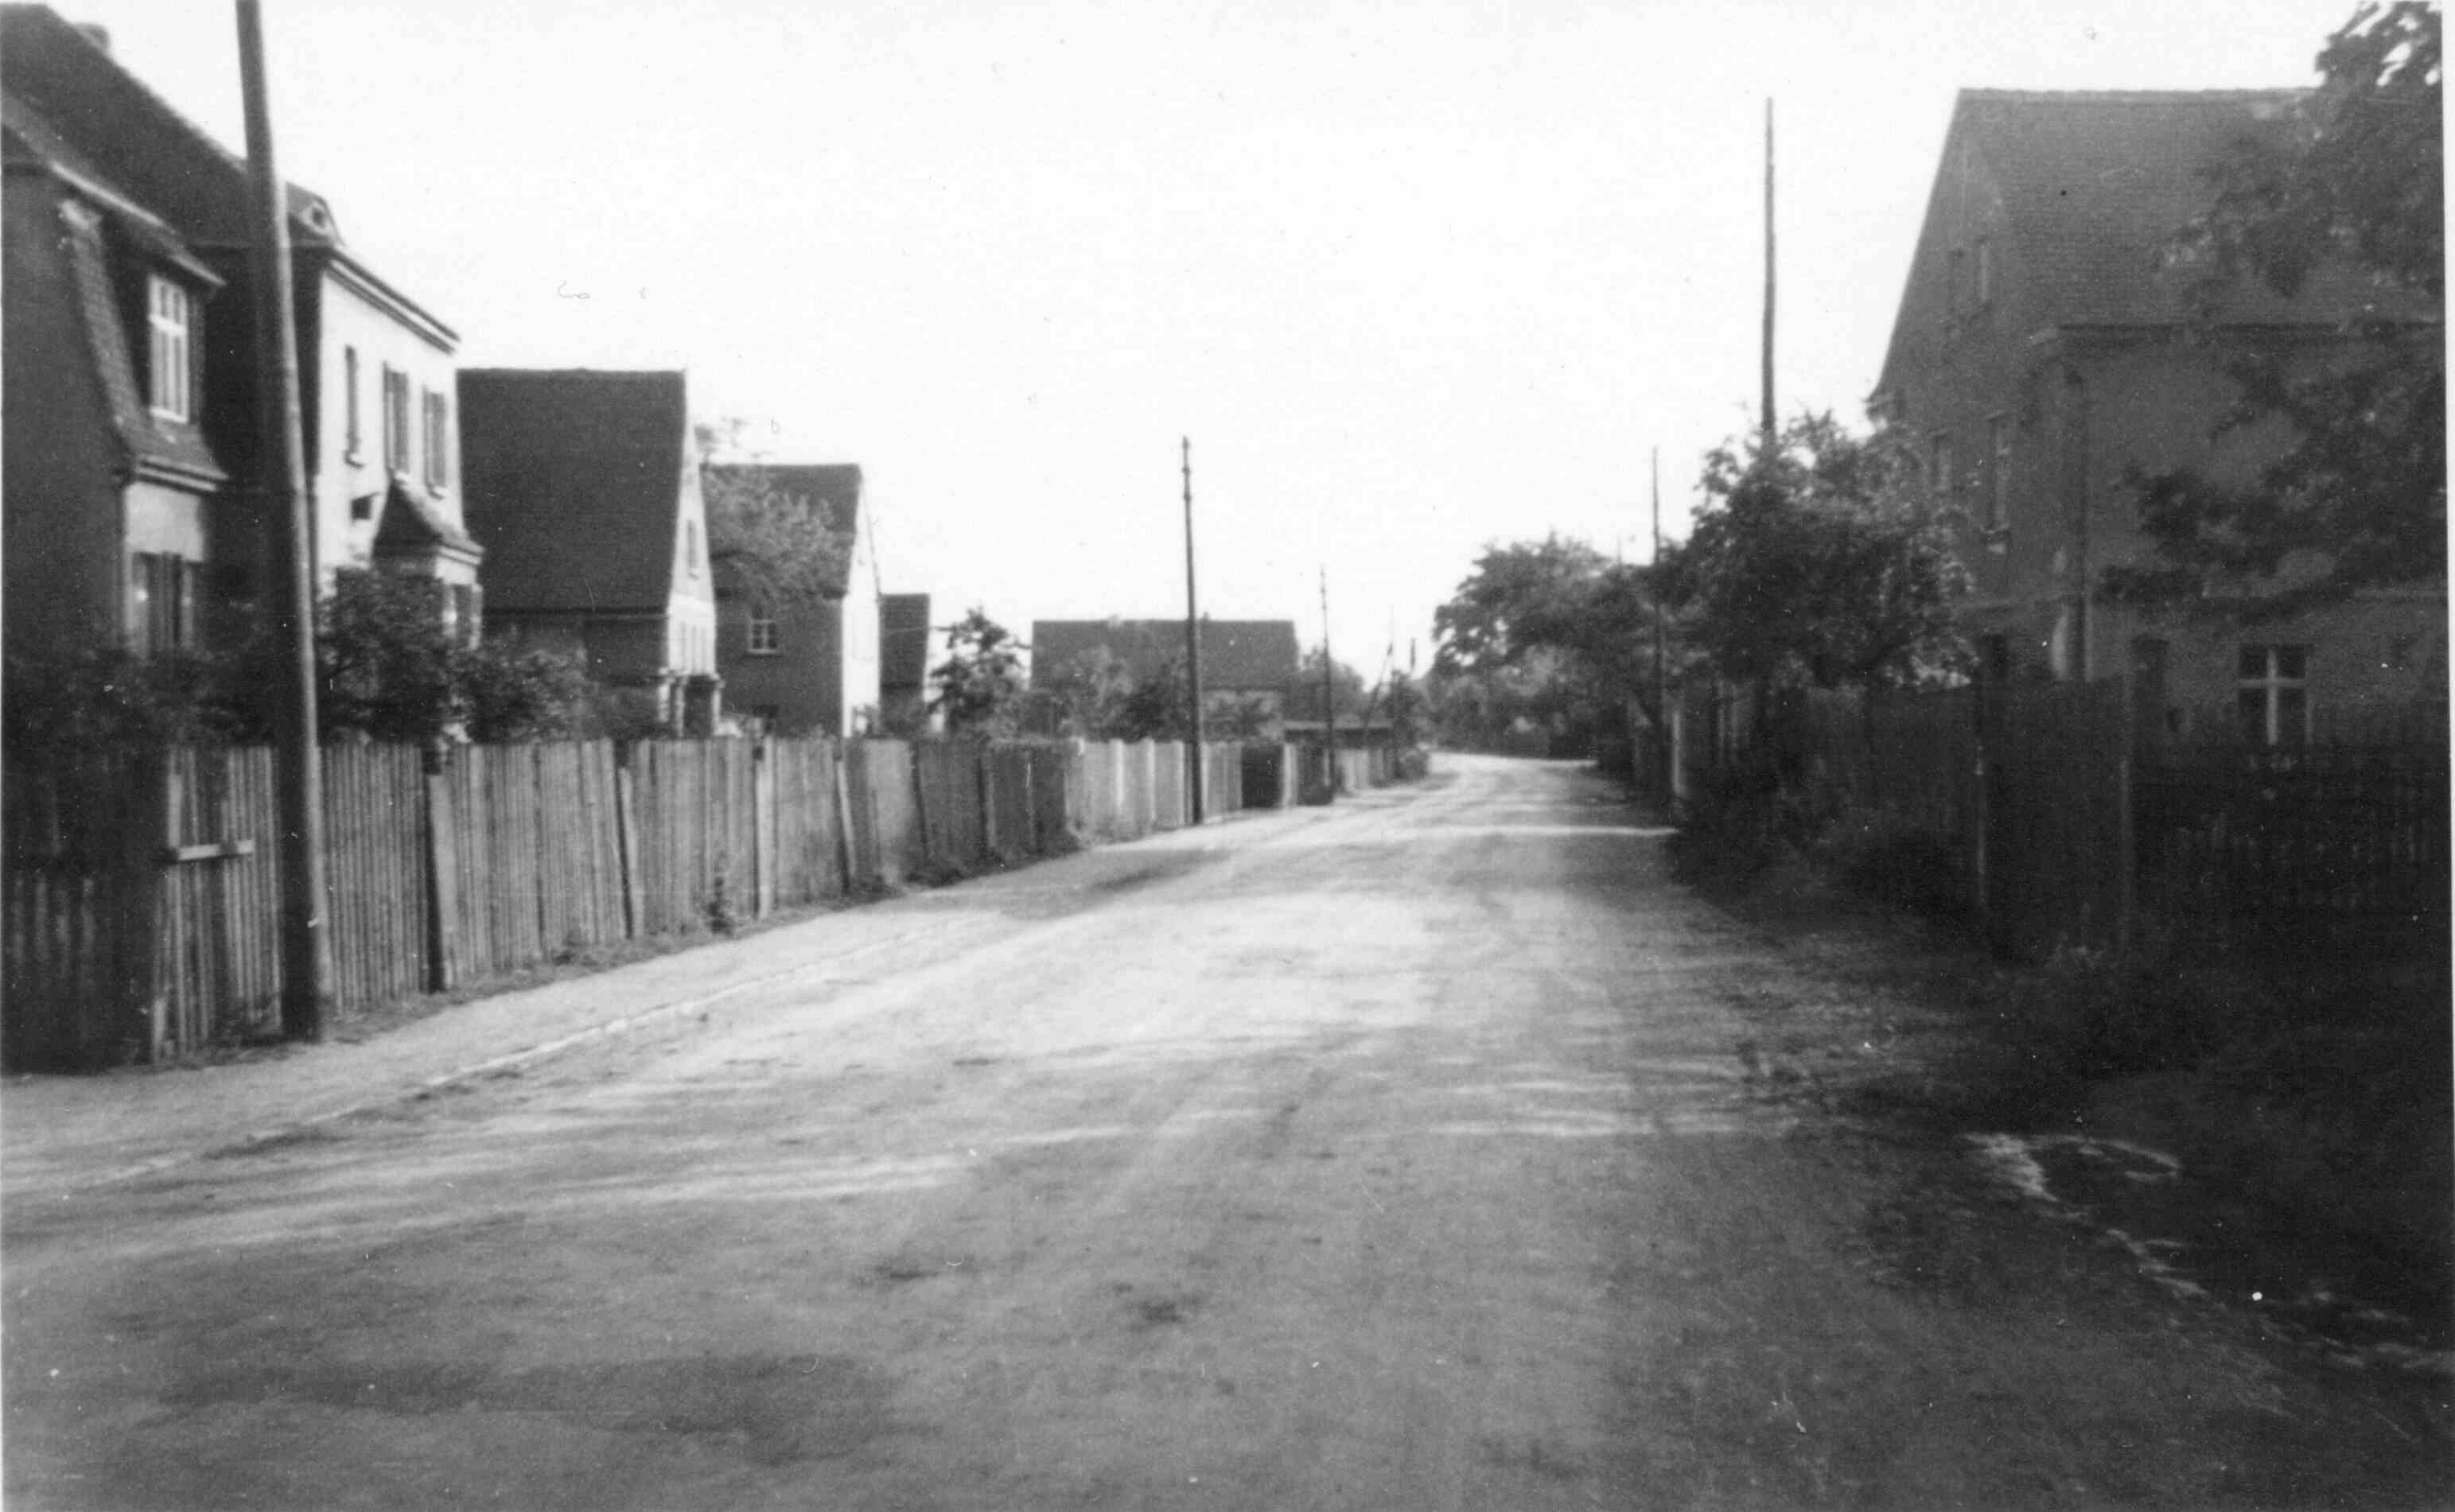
x: 1192, y: 643
x: 306, y: 944
x: 1770, y: 428
x: 1329, y: 689
x: 1662, y: 662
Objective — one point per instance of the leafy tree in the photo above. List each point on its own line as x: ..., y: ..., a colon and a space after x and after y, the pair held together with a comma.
x: 979, y: 686
x: 772, y: 545
x: 2358, y: 498
x: 1819, y: 560
x: 1082, y: 698
x: 390, y: 671
x: 1154, y: 708
x: 1348, y: 691
x: 1519, y: 597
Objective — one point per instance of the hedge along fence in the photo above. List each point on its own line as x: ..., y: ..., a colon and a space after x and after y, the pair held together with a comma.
x: 143, y: 892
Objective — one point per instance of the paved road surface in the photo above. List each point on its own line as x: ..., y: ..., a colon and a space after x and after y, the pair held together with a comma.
x: 1401, y: 1156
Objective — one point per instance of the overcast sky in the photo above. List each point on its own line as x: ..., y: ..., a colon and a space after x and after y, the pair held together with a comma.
x: 1412, y: 276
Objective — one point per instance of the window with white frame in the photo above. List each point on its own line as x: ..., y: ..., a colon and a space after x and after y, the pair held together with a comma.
x: 396, y: 417
x: 766, y: 639
x: 438, y: 439
x: 2273, y: 694
x: 169, y: 320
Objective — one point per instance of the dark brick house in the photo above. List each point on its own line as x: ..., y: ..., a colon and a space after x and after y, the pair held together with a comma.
x: 808, y: 668
x: 2044, y: 350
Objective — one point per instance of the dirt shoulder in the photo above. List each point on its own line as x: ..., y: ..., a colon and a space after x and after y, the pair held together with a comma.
x: 2012, y: 1179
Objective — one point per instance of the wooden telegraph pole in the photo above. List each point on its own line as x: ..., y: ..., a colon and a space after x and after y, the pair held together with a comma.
x: 1328, y: 691
x: 1194, y: 764
x: 306, y: 943
x: 1663, y: 753
x: 1770, y: 430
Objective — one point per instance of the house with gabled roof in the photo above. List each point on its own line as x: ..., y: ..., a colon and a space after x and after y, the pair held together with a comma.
x: 376, y: 367
x: 2047, y: 353
x: 810, y: 666
x: 1246, y: 664
x: 583, y: 489
x: 113, y: 485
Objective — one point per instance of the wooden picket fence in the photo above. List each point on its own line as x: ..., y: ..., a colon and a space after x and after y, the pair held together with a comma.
x: 143, y: 891
x: 2066, y: 826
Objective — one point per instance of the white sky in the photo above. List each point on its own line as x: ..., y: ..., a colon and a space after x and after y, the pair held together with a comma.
x: 1412, y: 276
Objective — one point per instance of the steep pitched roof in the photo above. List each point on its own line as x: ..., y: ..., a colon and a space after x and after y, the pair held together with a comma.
x: 572, y: 481
x: 164, y: 161
x: 833, y: 489
x: 903, y: 640
x: 135, y: 135
x: 2096, y: 183
x: 1236, y: 653
x: 100, y: 227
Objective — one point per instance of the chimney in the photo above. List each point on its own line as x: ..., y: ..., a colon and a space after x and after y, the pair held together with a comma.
x: 96, y: 34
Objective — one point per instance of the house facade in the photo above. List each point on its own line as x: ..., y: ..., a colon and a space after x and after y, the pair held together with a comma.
x: 583, y: 491
x: 112, y: 487
x: 2046, y: 355
x: 171, y: 231
x: 809, y: 667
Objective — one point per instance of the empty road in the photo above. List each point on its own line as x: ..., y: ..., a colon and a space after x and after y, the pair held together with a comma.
x: 1416, y: 1154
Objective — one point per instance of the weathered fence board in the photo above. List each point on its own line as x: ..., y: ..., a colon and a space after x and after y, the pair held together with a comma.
x: 947, y: 779
x: 808, y: 821
x: 375, y: 854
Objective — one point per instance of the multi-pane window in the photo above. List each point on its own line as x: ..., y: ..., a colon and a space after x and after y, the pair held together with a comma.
x: 396, y: 418
x: 1939, y: 477
x: 438, y: 439
x: 766, y: 638
x: 170, y: 318
x: 1998, y: 471
x: 352, y: 428
x: 163, y: 591
x: 2273, y: 694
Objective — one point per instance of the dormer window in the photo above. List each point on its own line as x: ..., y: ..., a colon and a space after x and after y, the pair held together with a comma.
x: 169, y: 377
